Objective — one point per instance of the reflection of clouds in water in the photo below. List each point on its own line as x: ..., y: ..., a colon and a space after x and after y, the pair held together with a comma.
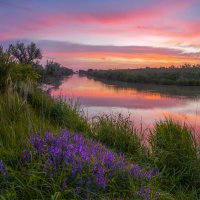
x: 93, y: 93
x: 146, y: 103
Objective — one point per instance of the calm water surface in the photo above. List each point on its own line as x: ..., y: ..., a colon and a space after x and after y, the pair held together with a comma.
x: 145, y: 103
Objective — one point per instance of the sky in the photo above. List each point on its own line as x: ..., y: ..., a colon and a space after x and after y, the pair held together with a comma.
x: 104, y: 34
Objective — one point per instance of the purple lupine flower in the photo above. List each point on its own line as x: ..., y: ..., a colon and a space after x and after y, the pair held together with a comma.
x: 155, y: 171
x: 63, y: 184
x: 37, y: 142
x: 54, y: 150
x: 144, y: 193
x: 3, y: 170
x: 78, y: 190
x: 77, y: 157
x: 49, y: 137
x: 151, y: 173
x: 136, y: 171
x: 26, y: 156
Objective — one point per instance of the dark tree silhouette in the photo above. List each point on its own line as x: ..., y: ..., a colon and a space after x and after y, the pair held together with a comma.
x: 56, y: 69
x: 26, y: 54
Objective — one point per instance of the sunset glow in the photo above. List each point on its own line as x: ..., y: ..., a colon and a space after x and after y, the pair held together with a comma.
x: 108, y: 33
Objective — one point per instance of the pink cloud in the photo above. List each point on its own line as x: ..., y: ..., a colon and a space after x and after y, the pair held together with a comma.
x: 99, y: 22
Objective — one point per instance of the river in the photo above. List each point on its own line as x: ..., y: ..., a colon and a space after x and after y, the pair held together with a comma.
x: 145, y: 104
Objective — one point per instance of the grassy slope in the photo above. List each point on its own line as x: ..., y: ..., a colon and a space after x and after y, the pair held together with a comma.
x: 173, y: 149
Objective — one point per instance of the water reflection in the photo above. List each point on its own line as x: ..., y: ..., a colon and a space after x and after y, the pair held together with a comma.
x: 179, y: 91
x: 145, y: 103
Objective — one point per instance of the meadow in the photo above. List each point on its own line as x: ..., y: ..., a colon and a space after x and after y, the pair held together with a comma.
x: 49, y: 149
x: 185, y: 75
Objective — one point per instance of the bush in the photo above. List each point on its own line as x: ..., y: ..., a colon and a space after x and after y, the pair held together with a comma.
x: 24, y: 73
x: 55, y: 69
x: 25, y: 54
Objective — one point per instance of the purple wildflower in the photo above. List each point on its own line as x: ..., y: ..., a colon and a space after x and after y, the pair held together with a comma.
x: 63, y: 184
x: 78, y: 157
x: 26, y: 156
x: 78, y: 190
x: 3, y: 170
x: 144, y: 193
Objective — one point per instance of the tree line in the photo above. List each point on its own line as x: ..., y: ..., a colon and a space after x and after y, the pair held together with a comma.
x: 22, y: 62
x: 186, y: 75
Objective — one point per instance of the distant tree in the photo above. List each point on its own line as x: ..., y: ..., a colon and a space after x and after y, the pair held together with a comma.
x: 52, y: 68
x: 56, y: 69
x: 25, y: 54
x: 6, y: 65
x: 5, y: 57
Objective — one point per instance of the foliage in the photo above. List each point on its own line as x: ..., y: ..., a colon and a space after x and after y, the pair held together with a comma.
x: 68, y: 165
x: 55, y: 69
x: 24, y: 73
x: 13, y: 73
x: 25, y: 54
x: 6, y: 65
x: 20, y: 117
x: 184, y: 75
x: 39, y: 69
x: 21, y: 63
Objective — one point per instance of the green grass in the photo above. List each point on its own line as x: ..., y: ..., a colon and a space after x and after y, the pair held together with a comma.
x: 172, y: 147
x: 25, y: 110
x: 186, y: 75
x: 59, y: 112
x: 28, y: 111
x: 174, y: 152
x: 118, y: 133
x: 18, y: 119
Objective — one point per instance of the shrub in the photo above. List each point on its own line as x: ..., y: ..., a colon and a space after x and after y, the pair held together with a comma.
x: 55, y: 69
x: 26, y: 54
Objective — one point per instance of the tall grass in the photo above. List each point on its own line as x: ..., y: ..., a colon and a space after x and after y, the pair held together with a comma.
x: 174, y: 152
x: 118, y: 132
x: 59, y: 112
x: 25, y: 110
x: 18, y: 119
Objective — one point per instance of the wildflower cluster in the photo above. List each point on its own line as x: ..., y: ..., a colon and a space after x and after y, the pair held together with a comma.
x: 73, y: 151
x: 80, y: 165
x: 84, y: 162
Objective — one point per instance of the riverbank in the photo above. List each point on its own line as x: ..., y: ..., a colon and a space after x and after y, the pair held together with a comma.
x: 185, y: 75
x: 28, y: 165
x: 50, y: 150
